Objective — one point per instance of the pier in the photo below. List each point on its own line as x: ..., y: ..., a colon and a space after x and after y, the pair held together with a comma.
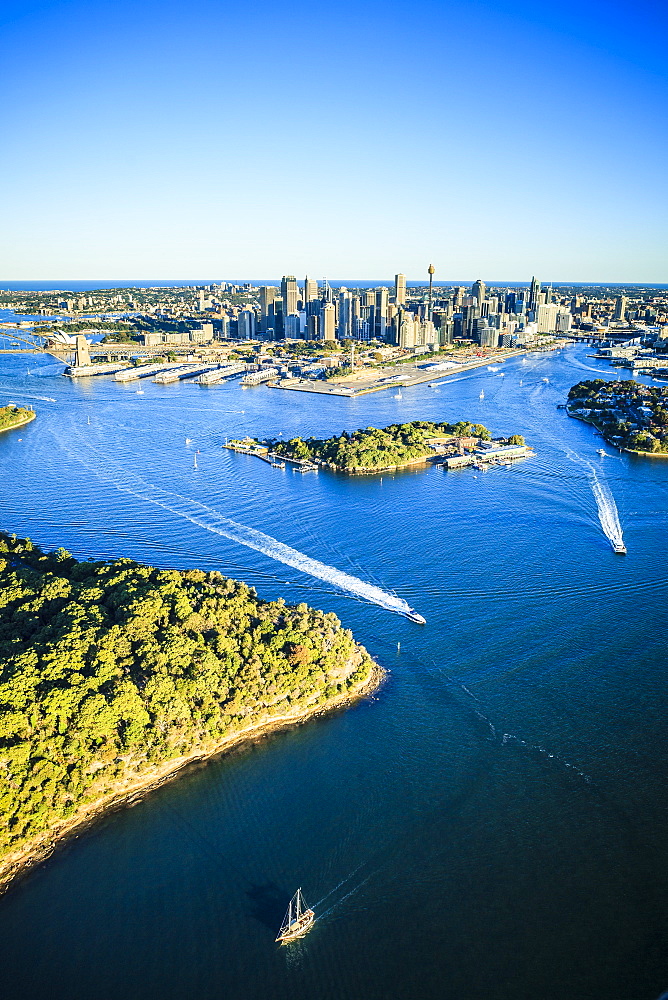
x: 184, y: 372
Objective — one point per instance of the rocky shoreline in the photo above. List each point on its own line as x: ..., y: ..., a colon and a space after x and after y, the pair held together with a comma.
x: 18, y: 863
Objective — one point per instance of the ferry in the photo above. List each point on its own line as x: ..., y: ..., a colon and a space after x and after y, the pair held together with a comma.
x: 415, y: 617
x: 298, y: 920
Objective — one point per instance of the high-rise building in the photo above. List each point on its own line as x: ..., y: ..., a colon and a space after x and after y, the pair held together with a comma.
x: 313, y: 326
x: 380, y: 318
x: 534, y: 293
x: 246, y: 324
x: 547, y: 318
x: 406, y: 323
x: 478, y: 291
x: 289, y: 294
x: 268, y: 295
x: 620, y: 307
x: 310, y: 289
x: 328, y: 321
x: 400, y: 289
x: 345, y: 314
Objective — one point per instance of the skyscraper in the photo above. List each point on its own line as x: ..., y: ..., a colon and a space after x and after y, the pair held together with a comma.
x: 246, y: 321
x: 268, y: 295
x: 328, y: 321
x: 289, y: 294
x: 400, y: 289
x: 620, y: 307
x: 345, y: 313
x: 380, y: 316
x: 534, y: 292
x: 310, y: 289
x: 478, y: 291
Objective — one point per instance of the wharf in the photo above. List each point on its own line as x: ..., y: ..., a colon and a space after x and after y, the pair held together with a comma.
x: 77, y: 371
x: 144, y: 371
x: 221, y: 374
x: 363, y: 382
x: 251, y: 447
x: 183, y: 372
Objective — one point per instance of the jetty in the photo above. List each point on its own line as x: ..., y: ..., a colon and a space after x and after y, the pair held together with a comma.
x: 184, y: 372
x: 249, y: 446
x: 144, y: 371
x: 263, y: 375
x: 486, y: 454
x: 221, y: 374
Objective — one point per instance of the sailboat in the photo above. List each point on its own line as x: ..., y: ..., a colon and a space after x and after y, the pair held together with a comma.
x: 398, y: 395
x: 298, y: 920
x: 482, y: 393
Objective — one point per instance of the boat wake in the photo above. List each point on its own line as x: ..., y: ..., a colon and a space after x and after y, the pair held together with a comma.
x: 212, y: 520
x: 608, y: 514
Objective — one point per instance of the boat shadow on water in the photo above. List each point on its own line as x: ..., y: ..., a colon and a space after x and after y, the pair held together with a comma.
x: 268, y: 904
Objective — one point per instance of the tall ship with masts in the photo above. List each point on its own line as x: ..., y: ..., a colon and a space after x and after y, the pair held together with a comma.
x: 298, y: 920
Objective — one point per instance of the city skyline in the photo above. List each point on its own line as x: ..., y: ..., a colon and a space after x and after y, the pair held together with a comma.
x: 497, y: 138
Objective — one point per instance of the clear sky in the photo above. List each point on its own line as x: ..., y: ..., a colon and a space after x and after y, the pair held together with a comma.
x: 201, y: 138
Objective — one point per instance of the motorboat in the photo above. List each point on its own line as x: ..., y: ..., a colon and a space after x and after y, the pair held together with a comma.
x: 619, y: 548
x: 415, y: 617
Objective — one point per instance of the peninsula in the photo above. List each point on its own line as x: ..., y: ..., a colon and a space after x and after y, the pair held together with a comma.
x: 14, y: 416
x: 630, y: 416
x: 114, y: 675
x: 372, y: 449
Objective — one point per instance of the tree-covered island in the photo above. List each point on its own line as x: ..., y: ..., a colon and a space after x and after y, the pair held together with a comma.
x: 114, y: 674
x: 374, y: 449
x: 629, y: 415
x: 14, y: 416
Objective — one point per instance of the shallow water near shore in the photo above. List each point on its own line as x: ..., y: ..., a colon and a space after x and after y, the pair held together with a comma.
x: 491, y: 822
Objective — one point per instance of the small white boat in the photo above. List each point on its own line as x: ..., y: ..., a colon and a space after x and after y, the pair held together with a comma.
x: 602, y: 453
x: 482, y: 394
x: 139, y: 392
x: 415, y: 617
x: 398, y: 395
x: 188, y: 440
x: 619, y: 548
x: 298, y: 920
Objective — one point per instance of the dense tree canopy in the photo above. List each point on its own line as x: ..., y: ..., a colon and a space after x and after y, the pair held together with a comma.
x: 13, y: 415
x: 371, y: 448
x: 109, y: 668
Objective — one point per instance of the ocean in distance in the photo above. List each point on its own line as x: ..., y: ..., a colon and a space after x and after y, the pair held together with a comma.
x: 491, y: 823
x: 82, y: 286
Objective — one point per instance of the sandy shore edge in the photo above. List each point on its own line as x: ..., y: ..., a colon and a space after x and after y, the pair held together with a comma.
x: 20, y: 862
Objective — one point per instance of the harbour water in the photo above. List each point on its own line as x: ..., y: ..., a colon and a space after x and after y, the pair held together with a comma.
x: 492, y: 822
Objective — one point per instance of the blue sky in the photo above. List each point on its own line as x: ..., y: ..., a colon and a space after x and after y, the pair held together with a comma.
x: 182, y: 139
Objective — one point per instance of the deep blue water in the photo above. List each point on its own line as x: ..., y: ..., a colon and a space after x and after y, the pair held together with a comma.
x: 82, y: 286
x: 491, y: 824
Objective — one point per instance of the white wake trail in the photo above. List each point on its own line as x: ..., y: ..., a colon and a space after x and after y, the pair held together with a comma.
x: 608, y: 514
x: 212, y: 520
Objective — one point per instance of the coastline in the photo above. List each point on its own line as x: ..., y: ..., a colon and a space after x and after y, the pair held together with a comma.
x: 628, y: 451
x: 21, y: 423
x: 20, y: 862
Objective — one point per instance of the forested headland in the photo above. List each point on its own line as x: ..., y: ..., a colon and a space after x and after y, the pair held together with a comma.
x: 113, y: 674
x: 374, y: 449
x: 14, y: 416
